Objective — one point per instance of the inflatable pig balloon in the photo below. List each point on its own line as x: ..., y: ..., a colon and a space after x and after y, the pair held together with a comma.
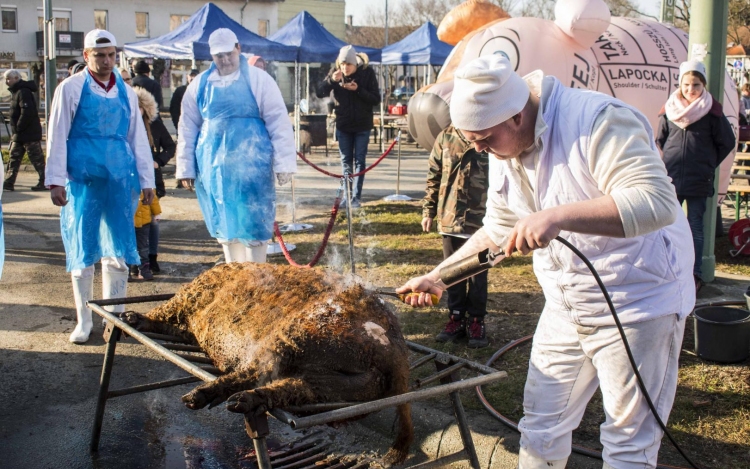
x: 634, y: 60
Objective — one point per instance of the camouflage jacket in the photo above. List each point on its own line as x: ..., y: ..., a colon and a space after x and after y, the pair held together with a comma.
x: 457, y: 183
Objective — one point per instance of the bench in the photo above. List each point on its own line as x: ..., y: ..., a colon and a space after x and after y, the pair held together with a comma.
x: 739, y: 182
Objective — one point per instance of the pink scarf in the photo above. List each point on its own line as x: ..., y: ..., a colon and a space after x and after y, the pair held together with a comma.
x: 683, y: 113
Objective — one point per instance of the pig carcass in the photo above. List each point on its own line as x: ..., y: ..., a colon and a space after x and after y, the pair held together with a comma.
x: 286, y: 337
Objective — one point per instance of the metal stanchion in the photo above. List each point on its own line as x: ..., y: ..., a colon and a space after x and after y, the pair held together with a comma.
x: 348, y: 185
x: 398, y: 197
x: 294, y: 226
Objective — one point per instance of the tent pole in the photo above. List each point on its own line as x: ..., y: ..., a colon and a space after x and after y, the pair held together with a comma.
x: 296, y: 105
x: 307, y: 87
x: 382, y: 108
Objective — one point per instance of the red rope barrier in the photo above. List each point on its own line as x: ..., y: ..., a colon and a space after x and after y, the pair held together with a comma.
x: 321, y: 249
x: 327, y: 173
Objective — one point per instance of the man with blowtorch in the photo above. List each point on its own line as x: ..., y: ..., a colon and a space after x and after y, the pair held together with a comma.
x: 581, y: 165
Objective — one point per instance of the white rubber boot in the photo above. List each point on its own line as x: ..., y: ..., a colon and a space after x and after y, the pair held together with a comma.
x: 257, y: 253
x: 83, y: 287
x: 114, y: 282
x: 527, y: 461
x: 234, y: 251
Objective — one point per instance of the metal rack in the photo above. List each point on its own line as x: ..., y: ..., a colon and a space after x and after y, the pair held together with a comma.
x: 200, y: 367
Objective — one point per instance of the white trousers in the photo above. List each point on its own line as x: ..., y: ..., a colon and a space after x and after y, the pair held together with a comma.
x: 236, y: 251
x: 569, y: 362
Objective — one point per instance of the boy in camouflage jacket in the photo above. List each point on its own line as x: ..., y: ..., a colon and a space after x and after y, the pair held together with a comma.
x: 457, y: 196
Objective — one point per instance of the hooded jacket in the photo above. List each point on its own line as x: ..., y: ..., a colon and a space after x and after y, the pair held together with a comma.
x: 353, y: 108
x: 24, y: 117
x: 457, y: 184
x: 692, y: 154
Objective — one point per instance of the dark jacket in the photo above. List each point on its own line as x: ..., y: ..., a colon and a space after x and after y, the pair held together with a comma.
x: 353, y: 108
x: 175, y: 104
x: 24, y: 117
x: 457, y: 182
x: 162, y: 151
x: 151, y: 86
x: 692, y: 155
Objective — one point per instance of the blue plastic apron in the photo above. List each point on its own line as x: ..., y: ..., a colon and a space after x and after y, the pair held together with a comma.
x: 102, y: 187
x: 234, y: 156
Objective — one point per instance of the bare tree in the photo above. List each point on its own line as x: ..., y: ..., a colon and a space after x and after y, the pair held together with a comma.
x: 546, y: 8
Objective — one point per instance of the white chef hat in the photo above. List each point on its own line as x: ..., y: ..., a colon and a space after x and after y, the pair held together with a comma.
x: 486, y: 92
x: 222, y: 40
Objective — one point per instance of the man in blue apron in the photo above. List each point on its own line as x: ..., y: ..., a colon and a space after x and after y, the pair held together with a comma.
x: 98, y: 162
x: 234, y: 134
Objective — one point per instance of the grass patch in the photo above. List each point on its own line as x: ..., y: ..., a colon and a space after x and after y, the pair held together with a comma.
x: 711, y: 415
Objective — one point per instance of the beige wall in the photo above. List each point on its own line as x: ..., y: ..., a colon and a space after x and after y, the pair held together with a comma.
x: 330, y: 13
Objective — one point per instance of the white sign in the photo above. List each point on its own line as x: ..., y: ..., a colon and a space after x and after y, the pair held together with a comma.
x: 64, y: 38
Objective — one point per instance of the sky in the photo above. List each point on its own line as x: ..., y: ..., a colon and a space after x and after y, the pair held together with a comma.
x: 358, y: 8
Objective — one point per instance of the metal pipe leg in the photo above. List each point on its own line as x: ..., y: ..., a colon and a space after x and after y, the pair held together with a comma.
x: 463, y: 428
x: 109, y: 357
x: 256, y: 426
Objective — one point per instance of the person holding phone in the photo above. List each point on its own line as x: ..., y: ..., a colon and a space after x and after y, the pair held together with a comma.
x: 355, y: 93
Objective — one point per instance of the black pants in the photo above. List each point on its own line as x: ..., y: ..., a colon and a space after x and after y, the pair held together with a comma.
x: 142, y: 241
x: 36, y: 156
x: 470, y: 295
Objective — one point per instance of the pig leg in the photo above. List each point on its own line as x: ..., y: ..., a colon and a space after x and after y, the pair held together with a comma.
x: 215, y: 392
x: 142, y: 323
x: 295, y: 391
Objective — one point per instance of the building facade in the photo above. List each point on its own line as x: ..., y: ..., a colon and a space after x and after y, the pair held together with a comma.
x: 21, y: 37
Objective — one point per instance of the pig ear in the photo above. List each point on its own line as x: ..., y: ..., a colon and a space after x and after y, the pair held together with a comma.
x: 583, y: 20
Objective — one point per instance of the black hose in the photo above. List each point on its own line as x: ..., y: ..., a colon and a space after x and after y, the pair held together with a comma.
x: 576, y: 448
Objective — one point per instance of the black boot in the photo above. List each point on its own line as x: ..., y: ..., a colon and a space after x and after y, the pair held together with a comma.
x: 154, y: 265
x: 476, y: 332
x: 455, y: 329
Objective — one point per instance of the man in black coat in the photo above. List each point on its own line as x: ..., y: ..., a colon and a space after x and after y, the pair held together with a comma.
x: 175, y: 104
x: 26, y: 130
x: 141, y: 79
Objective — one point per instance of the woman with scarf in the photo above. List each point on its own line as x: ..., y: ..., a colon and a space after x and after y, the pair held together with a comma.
x: 694, y: 137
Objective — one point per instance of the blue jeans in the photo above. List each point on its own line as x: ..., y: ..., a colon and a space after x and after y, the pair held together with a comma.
x: 696, y: 207
x: 353, y: 151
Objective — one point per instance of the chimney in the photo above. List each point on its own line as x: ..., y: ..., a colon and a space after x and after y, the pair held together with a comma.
x: 349, y: 20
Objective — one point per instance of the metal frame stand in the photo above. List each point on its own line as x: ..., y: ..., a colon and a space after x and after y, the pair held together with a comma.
x: 447, y: 373
x: 398, y: 197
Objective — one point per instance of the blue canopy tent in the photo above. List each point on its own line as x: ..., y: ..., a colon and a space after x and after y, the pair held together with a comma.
x: 190, y: 40
x: 422, y: 47
x: 313, y: 42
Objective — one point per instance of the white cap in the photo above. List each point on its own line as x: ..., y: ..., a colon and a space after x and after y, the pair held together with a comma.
x: 222, y: 40
x: 99, y: 38
x: 348, y: 55
x: 692, y: 66
x: 486, y: 92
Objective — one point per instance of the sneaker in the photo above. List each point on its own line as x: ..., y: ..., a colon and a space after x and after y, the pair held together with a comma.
x: 39, y: 187
x: 356, y: 203
x: 145, y: 271
x: 477, y: 336
x: 454, y: 330
x: 8, y: 187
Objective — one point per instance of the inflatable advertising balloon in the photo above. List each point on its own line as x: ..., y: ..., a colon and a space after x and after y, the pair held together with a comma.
x: 634, y: 60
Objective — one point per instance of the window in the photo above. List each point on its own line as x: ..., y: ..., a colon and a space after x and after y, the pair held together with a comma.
x: 100, y: 19
x: 141, y: 24
x: 62, y: 19
x: 9, y: 19
x: 263, y: 27
x: 176, y: 20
